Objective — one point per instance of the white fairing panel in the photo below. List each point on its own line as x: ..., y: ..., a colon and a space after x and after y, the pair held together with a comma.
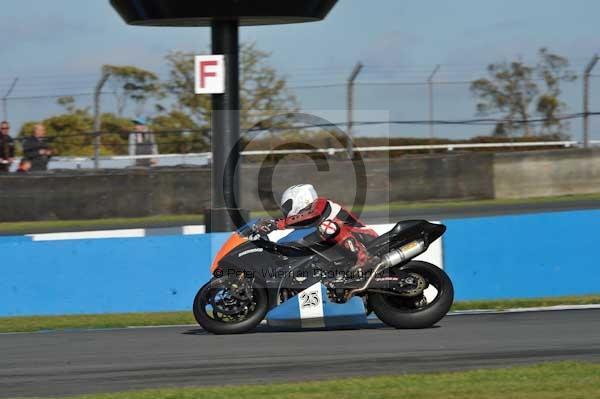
x: 310, y: 302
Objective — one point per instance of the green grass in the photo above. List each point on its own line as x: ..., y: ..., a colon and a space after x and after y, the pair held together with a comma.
x: 111, y: 320
x: 116, y: 320
x: 175, y: 220
x: 564, y: 380
x: 502, y: 304
x: 112, y: 223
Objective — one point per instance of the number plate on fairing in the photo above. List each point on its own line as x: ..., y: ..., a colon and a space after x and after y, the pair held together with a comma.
x: 311, y: 306
x: 312, y: 309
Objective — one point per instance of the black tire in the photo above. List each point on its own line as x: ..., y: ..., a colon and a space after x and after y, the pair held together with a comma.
x: 214, y: 326
x: 389, y: 310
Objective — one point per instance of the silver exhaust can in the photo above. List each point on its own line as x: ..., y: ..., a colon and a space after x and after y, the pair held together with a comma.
x: 405, y: 252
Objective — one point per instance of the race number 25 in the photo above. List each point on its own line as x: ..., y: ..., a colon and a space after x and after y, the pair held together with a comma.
x: 309, y: 299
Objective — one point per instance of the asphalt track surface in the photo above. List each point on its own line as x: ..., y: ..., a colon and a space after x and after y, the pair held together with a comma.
x: 74, y: 362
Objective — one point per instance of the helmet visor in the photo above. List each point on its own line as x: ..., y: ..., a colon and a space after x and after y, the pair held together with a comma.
x: 286, y: 207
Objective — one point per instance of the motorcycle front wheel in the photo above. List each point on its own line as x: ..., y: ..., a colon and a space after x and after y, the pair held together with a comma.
x: 220, y: 308
x: 419, y: 311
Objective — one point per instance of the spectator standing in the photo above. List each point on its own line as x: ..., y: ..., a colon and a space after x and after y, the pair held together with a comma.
x: 7, y: 147
x: 35, y: 149
x: 142, y: 142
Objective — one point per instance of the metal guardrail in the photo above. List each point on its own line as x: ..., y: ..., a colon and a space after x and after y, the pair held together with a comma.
x: 204, y: 157
x: 448, y: 147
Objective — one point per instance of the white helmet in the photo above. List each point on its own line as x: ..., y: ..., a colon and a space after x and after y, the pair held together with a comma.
x: 296, y: 198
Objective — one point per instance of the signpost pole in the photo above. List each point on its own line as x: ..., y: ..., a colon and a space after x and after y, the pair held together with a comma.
x: 225, y: 130
x: 224, y: 17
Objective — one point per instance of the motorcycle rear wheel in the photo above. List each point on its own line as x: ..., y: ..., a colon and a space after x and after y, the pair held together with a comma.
x: 395, y: 311
x: 216, y: 325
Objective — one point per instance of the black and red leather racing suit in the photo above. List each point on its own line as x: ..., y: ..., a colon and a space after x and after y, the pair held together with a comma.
x: 334, y: 223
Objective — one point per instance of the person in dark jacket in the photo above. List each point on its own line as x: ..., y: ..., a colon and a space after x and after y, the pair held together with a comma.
x: 7, y: 147
x: 35, y: 149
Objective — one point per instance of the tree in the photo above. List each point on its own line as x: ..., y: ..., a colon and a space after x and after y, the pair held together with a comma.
x: 262, y: 90
x: 181, y: 85
x: 184, y: 118
x: 180, y: 134
x: 511, y: 89
x: 69, y: 133
x: 69, y: 104
x: 553, y: 69
x: 132, y: 83
x: 115, y: 134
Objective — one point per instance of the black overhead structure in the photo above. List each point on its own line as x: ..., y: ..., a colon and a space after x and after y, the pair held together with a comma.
x: 224, y: 17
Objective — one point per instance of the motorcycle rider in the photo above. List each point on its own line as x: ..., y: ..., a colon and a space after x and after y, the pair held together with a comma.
x: 302, y: 207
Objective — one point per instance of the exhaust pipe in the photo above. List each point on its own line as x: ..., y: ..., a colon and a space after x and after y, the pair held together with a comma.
x: 403, y: 253
x: 392, y: 258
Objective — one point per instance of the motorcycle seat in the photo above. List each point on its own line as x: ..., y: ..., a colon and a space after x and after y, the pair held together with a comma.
x: 397, y: 229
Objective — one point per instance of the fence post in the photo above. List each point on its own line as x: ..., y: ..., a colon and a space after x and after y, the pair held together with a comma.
x: 5, y: 98
x: 103, y: 78
x: 350, y: 106
x: 430, y: 87
x: 586, y: 99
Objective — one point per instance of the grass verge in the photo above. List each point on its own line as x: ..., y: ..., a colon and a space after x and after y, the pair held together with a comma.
x: 111, y: 320
x: 117, y: 320
x: 502, y: 304
x: 564, y: 380
x: 44, y: 226
x: 179, y: 220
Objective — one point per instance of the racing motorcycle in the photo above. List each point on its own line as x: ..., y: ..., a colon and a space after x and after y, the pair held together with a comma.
x: 254, y: 273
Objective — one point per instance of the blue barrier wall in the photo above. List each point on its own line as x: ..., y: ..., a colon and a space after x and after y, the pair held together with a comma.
x: 487, y: 258
x: 160, y: 273
x: 547, y: 254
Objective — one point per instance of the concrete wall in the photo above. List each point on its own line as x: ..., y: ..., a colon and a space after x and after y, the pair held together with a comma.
x: 130, y: 193
x: 466, y: 176
x: 334, y: 179
x: 546, y: 173
x: 115, y: 193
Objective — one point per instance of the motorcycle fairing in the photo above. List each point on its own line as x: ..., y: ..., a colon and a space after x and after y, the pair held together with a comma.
x: 237, y: 252
x: 292, y: 235
x: 311, y: 308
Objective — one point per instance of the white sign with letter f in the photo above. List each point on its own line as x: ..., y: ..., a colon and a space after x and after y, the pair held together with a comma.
x: 209, y: 73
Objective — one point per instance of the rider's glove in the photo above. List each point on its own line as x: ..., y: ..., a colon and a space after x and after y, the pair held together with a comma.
x: 266, y: 226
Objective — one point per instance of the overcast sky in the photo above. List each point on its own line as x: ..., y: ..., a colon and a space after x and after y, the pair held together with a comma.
x: 58, y: 46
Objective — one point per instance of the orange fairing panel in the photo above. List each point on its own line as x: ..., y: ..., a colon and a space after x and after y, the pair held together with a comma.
x: 234, y: 241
